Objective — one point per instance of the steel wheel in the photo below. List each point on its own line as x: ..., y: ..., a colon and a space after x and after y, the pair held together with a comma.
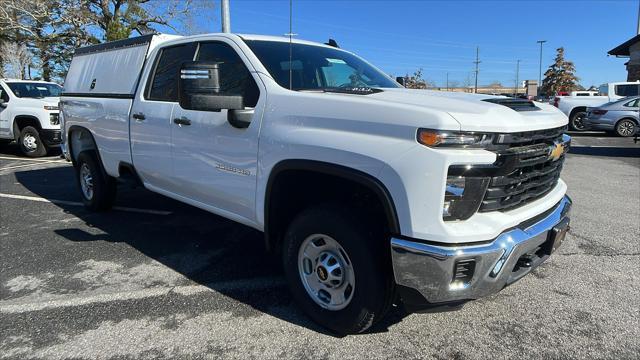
x: 577, y: 121
x: 30, y: 142
x: 626, y: 128
x: 326, y: 272
x: 86, y: 181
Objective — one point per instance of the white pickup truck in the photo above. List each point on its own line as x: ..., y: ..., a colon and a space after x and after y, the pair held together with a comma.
x: 369, y: 192
x: 575, y: 106
x: 29, y: 115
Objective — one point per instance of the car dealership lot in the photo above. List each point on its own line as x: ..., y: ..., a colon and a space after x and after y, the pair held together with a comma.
x: 156, y: 278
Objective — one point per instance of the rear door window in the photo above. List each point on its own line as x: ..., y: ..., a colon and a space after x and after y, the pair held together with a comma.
x: 632, y: 103
x: 627, y: 90
x: 164, y: 83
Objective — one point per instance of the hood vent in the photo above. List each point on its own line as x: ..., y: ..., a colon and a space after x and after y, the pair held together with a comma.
x: 515, y: 104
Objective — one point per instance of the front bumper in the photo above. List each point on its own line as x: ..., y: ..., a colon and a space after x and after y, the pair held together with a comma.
x: 51, y: 137
x: 431, y: 270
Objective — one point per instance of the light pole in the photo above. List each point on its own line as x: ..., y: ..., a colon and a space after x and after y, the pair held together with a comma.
x: 540, y: 70
x: 226, y: 17
x: 517, y: 78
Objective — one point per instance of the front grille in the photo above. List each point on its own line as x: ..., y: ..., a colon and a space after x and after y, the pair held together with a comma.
x: 527, y: 171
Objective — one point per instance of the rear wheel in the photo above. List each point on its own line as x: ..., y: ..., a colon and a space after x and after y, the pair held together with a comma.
x: 626, y: 128
x: 577, y: 121
x: 338, y: 268
x: 98, y: 189
x: 30, y: 142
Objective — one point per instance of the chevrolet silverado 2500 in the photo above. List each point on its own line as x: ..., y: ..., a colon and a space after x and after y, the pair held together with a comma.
x: 369, y: 192
x: 29, y: 115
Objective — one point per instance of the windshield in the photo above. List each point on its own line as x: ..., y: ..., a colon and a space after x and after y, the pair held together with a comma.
x: 316, y: 67
x: 34, y: 90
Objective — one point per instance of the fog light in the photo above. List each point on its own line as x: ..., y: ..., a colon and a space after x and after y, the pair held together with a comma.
x: 463, y: 196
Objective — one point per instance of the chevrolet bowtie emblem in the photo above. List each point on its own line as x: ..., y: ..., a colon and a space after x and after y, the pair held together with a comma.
x: 556, y: 151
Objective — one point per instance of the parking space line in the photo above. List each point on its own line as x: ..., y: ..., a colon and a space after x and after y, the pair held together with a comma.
x: 28, y: 165
x: 62, y: 301
x: 28, y: 159
x: 77, y: 203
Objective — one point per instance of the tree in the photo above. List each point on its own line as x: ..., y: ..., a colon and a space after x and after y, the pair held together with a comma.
x: 560, y: 76
x: 53, y: 29
x: 415, y: 81
x: 16, y: 59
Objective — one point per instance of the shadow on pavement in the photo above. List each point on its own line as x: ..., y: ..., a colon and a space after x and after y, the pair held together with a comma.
x: 203, y: 247
x: 606, y: 151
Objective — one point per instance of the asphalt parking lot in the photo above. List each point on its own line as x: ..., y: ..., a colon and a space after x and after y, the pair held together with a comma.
x: 157, y: 279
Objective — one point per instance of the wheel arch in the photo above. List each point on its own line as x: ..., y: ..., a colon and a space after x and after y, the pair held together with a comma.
x: 22, y: 121
x: 283, y: 174
x: 80, y: 139
x: 575, y: 110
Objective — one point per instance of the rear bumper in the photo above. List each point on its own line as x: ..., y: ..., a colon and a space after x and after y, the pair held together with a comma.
x: 431, y: 270
x: 597, y: 125
x: 51, y: 137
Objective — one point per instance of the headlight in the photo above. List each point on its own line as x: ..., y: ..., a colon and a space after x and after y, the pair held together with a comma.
x: 438, y: 138
x: 463, y: 196
x: 50, y: 108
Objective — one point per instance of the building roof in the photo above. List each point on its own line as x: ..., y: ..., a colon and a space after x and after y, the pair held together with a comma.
x: 623, y: 49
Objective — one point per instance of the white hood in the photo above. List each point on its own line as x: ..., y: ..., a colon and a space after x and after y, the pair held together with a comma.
x: 473, y: 114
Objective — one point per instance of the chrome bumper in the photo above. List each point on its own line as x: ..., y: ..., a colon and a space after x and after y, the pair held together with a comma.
x: 432, y: 269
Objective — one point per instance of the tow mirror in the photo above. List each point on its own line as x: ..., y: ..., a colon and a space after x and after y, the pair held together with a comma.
x: 199, y: 88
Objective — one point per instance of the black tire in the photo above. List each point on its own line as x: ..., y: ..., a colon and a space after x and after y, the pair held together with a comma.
x: 369, y: 255
x: 626, y: 128
x: 576, y: 123
x: 30, y: 143
x: 103, y: 186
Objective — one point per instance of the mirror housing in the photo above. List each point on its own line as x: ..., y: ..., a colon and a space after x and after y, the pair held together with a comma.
x: 199, y: 88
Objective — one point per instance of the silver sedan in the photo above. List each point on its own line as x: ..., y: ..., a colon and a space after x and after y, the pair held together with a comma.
x: 619, y: 117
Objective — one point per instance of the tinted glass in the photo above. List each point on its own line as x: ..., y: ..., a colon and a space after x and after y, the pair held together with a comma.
x: 317, y: 67
x: 3, y: 95
x: 164, y: 85
x: 627, y: 90
x: 235, y: 78
x: 34, y: 90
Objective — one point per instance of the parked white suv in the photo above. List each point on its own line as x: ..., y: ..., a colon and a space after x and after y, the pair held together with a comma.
x: 29, y: 115
x: 365, y: 189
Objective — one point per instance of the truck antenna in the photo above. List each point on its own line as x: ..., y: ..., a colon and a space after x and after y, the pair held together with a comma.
x: 290, y: 34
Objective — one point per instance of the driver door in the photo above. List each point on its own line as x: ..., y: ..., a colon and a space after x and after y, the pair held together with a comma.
x: 214, y: 162
x: 5, y: 126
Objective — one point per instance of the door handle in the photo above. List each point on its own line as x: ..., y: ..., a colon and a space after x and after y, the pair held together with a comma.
x: 139, y: 116
x: 182, y: 121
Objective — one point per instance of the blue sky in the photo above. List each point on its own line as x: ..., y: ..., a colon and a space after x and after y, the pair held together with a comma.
x: 441, y: 36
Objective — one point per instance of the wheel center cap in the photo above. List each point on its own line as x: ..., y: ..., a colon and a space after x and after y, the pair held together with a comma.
x: 322, y: 273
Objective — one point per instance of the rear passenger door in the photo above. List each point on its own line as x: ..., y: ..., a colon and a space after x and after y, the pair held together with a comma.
x: 151, y: 117
x: 215, y: 162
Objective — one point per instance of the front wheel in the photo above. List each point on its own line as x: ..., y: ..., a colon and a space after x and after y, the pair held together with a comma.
x: 626, y: 128
x: 98, y: 189
x: 338, y: 268
x: 30, y: 142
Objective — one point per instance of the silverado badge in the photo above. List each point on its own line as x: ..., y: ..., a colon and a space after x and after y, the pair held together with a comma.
x: 556, y: 151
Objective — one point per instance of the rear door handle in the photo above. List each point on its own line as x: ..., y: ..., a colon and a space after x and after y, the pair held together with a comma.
x: 139, y: 116
x: 182, y: 121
